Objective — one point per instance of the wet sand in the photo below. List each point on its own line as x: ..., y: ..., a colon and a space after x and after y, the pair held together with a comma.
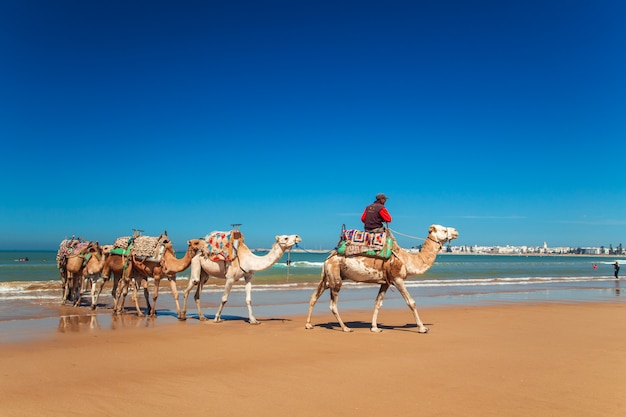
x: 554, y: 359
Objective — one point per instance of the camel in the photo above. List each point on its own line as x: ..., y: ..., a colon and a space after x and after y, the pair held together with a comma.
x: 72, y: 267
x: 92, y: 270
x: 243, y: 266
x: 167, y: 267
x: 114, y: 264
x: 392, y: 271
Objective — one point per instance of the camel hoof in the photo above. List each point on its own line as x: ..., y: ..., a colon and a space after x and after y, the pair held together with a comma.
x: 93, y: 306
x: 376, y: 330
x: 347, y: 330
x: 424, y: 330
x: 308, y: 326
x: 216, y: 320
x: 201, y: 318
x: 254, y: 322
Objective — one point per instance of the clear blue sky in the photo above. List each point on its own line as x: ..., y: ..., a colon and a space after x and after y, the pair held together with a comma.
x: 504, y: 119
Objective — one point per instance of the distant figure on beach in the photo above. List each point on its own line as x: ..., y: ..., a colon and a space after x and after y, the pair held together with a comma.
x: 375, y: 214
x: 616, y: 268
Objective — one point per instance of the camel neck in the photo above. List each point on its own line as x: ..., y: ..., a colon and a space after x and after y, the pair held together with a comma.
x: 251, y: 262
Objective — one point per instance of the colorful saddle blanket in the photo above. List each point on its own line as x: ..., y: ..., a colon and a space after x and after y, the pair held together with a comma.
x: 141, y: 246
x: 70, y: 247
x: 222, y: 246
x: 359, y: 242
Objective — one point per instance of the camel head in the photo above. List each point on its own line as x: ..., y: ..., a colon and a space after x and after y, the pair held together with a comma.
x: 94, y: 249
x: 287, y: 241
x: 106, y: 249
x: 196, y: 244
x: 167, y: 244
x: 441, y: 234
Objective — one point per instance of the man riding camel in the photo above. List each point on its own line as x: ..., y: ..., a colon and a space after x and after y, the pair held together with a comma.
x: 375, y: 214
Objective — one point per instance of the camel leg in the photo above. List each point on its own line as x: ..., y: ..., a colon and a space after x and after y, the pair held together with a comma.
x: 321, y: 287
x: 195, y: 278
x: 157, y: 284
x: 334, y: 297
x: 332, y: 276
x: 175, y: 294
x: 251, y: 317
x: 146, y: 295
x: 143, y: 283
x: 120, y: 296
x: 94, y: 288
x: 98, y: 291
x: 116, y: 283
x: 183, y: 314
x: 399, y: 283
x: 227, y: 288
x: 136, y: 296
x: 66, y: 288
x: 77, y: 287
x: 70, y: 293
x: 197, y: 298
x: 377, y: 305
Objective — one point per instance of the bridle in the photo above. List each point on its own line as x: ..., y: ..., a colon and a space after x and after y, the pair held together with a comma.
x: 438, y: 242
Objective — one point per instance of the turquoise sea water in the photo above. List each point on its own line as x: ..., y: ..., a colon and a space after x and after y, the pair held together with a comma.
x: 31, y: 289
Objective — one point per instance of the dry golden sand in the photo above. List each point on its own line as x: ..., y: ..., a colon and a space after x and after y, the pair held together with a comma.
x: 514, y: 360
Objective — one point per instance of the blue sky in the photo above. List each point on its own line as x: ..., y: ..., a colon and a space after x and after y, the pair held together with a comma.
x: 505, y: 120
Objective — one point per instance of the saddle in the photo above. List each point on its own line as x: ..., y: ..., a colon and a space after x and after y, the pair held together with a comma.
x: 69, y: 247
x: 354, y: 242
x: 222, y: 246
x: 148, y: 247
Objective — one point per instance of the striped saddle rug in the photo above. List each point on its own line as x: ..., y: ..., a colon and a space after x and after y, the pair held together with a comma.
x: 359, y: 242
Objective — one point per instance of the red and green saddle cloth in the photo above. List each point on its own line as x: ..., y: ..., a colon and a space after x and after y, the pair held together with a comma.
x: 359, y: 242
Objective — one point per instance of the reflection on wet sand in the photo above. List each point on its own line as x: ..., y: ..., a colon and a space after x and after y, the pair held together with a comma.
x: 83, y: 323
x: 76, y: 323
x: 120, y: 321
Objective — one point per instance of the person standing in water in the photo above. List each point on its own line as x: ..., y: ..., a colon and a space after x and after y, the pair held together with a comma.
x: 616, y: 270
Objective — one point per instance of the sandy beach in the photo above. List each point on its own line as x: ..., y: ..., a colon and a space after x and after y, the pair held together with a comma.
x: 553, y: 359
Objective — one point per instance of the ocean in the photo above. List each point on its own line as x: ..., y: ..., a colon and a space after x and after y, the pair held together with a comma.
x: 30, y: 290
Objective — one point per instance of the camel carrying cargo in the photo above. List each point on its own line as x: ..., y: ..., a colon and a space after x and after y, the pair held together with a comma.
x: 242, y: 264
x: 78, y: 259
x: 137, y: 258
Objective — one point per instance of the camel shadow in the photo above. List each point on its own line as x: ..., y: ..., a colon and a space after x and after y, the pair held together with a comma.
x: 282, y: 320
x: 210, y: 318
x: 408, y: 327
